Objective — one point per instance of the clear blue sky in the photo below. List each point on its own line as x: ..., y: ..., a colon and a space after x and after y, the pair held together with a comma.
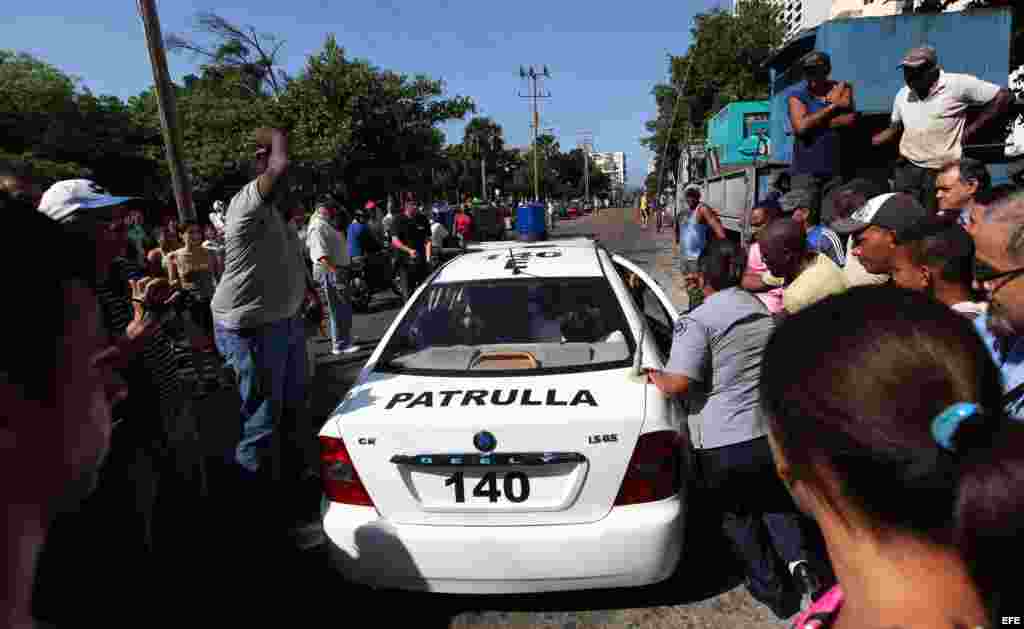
x: 604, y: 56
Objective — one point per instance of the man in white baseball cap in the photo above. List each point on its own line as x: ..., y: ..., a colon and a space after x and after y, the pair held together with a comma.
x: 87, y: 208
x: 65, y: 198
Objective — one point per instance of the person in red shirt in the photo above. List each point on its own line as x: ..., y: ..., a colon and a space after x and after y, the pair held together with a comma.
x: 463, y: 224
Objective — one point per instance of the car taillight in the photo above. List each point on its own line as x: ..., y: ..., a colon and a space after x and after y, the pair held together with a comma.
x: 653, y: 472
x: 338, y: 474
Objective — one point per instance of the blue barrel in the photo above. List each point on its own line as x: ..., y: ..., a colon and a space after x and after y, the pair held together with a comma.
x: 531, y: 222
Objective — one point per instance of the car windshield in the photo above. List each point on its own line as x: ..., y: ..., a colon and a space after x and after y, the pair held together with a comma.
x: 532, y: 325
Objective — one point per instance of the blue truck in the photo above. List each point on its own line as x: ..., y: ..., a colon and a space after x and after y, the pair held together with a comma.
x: 866, y: 52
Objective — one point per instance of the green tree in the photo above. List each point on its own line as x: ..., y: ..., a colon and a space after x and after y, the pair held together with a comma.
x: 237, y: 53
x: 483, y: 139
x: 56, y: 129
x: 723, y: 64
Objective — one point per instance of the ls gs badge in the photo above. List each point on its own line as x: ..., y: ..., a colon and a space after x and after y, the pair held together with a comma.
x: 485, y: 441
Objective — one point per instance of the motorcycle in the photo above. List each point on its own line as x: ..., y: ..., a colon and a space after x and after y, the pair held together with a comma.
x: 369, y: 275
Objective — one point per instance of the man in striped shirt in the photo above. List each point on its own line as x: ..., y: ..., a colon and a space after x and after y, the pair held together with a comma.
x: 132, y: 311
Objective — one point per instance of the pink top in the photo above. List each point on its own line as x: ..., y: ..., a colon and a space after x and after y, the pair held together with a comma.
x: 772, y: 299
x: 823, y: 612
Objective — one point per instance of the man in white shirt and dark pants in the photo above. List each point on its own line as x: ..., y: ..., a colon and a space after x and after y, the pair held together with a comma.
x: 929, y: 116
x: 329, y: 252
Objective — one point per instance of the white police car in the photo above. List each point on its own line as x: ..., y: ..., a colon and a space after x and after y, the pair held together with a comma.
x: 499, y: 440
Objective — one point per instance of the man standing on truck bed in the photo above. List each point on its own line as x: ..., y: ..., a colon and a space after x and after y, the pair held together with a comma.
x: 819, y: 108
x: 929, y: 115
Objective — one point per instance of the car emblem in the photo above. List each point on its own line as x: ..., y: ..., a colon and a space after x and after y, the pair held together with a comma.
x: 484, y: 441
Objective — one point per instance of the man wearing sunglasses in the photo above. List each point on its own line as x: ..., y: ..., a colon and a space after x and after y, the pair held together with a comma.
x: 998, y: 234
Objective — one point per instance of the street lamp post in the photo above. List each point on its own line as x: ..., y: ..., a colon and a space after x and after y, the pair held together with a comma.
x: 534, y: 95
x: 588, y: 145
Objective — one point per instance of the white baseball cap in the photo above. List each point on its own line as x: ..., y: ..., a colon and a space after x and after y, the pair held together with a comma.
x: 67, y: 197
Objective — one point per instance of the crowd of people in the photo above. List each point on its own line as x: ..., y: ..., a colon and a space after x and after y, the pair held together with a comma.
x: 854, y: 384
x: 854, y: 379
x: 162, y: 316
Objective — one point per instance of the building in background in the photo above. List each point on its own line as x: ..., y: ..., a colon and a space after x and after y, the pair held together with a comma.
x: 801, y: 14
x: 880, y: 8
x: 612, y: 164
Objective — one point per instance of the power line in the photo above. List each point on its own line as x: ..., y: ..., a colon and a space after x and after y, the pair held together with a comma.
x: 535, y: 94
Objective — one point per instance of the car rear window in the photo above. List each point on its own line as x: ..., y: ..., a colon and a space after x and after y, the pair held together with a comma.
x: 523, y: 325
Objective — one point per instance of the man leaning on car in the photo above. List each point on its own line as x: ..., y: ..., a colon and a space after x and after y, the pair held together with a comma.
x: 715, y: 362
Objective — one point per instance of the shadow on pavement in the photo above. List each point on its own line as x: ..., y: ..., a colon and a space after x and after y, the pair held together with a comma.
x: 382, y: 304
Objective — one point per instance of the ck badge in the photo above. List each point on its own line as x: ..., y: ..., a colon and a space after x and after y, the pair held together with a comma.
x: 484, y: 441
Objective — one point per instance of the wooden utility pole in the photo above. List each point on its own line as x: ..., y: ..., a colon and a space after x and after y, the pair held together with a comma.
x: 535, y: 94
x: 168, y: 111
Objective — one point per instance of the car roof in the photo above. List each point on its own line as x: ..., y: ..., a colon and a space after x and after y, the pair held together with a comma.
x: 489, y: 261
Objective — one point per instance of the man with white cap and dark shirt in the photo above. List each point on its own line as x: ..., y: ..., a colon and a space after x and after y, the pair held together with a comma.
x: 87, y: 545
x: 929, y: 116
x: 878, y: 229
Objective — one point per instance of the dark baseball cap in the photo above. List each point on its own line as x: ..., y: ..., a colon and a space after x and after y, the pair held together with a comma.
x: 896, y: 211
x: 920, y: 57
x: 798, y: 198
x: 835, y: 200
x: 816, y: 59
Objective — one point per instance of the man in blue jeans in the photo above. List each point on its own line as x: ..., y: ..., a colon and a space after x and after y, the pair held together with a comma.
x: 330, y: 256
x: 258, y: 325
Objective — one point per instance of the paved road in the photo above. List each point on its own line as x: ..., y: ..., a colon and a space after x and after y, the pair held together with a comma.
x: 217, y: 564
x: 703, y: 594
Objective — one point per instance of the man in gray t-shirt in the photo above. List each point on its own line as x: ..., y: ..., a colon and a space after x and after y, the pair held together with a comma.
x: 718, y: 348
x: 257, y: 320
x: 715, y: 363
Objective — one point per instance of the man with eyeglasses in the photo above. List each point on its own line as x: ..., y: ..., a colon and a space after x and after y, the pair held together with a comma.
x: 998, y: 234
